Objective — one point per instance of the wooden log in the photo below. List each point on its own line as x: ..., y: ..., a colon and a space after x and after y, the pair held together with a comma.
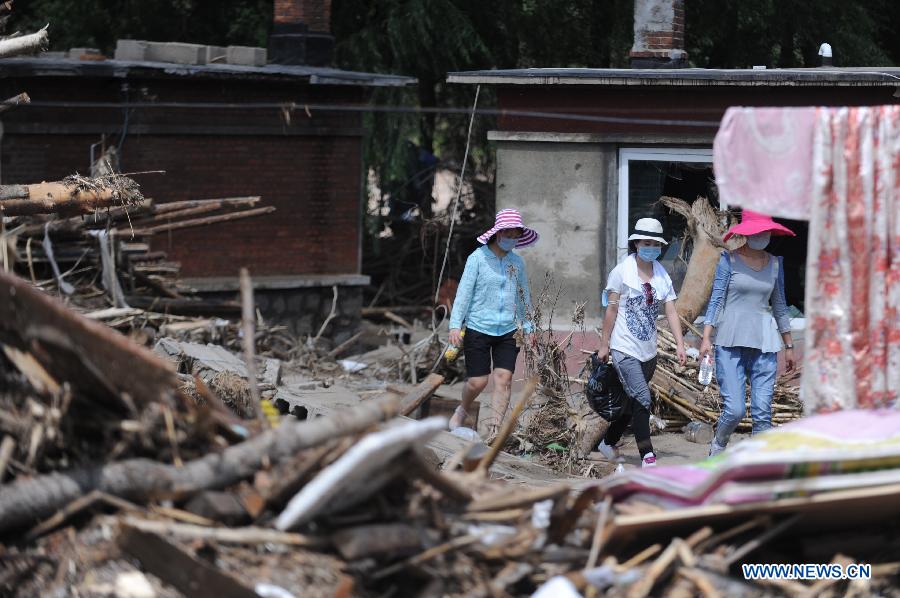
x: 61, y: 197
x: 173, y: 206
x: 248, y: 325
x: 25, y: 44
x: 26, y: 501
x: 177, y: 567
x: 425, y: 389
x: 706, y: 230
x: 162, y: 228
x: 14, y: 101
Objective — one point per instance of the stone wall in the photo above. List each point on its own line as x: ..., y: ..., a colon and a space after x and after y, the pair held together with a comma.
x: 303, y: 310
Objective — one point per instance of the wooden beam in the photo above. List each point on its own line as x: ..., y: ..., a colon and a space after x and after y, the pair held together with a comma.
x: 425, y: 389
x: 73, y: 348
x: 179, y: 568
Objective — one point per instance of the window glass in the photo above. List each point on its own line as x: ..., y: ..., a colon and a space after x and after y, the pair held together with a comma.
x: 648, y: 180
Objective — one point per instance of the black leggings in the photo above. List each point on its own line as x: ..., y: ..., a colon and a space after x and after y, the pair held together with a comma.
x: 640, y: 425
x: 635, y: 376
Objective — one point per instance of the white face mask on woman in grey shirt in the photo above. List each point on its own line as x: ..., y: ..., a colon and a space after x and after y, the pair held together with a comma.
x: 759, y: 240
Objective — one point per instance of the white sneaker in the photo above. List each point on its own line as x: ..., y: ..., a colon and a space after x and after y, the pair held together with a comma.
x: 649, y: 460
x: 458, y: 418
x: 715, y: 449
x: 611, y: 453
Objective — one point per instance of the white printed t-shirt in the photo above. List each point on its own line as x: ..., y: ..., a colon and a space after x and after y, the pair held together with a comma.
x: 634, y: 332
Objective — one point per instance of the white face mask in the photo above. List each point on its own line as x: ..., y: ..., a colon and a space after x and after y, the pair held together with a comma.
x: 759, y: 240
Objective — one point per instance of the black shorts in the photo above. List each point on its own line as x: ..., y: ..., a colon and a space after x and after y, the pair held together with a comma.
x: 480, y: 349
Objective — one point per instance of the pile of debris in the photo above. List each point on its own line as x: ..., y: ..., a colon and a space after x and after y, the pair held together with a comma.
x: 363, y: 501
x: 683, y: 400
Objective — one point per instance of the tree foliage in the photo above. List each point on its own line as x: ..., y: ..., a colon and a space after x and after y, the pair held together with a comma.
x: 100, y: 23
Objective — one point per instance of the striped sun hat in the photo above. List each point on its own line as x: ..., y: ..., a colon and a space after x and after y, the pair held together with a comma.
x: 510, y: 218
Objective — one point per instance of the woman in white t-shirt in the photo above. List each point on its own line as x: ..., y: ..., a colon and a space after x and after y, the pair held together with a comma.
x: 635, y: 291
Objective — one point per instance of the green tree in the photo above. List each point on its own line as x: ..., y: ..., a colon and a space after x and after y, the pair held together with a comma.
x: 788, y: 33
x: 100, y: 23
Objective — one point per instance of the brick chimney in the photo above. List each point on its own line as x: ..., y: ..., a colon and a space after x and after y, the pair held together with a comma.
x: 302, y: 33
x: 658, y: 34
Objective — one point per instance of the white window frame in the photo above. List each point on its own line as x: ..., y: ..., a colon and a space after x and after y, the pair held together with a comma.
x: 647, y: 154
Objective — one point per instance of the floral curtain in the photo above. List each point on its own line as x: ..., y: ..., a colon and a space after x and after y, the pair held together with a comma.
x: 853, y: 266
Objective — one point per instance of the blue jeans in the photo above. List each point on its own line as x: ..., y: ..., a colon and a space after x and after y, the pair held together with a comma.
x: 734, y: 365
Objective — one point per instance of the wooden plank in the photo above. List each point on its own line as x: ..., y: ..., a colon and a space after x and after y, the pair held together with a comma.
x: 72, y: 348
x: 425, y: 389
x: 832, y: 510
x: 177, y: 567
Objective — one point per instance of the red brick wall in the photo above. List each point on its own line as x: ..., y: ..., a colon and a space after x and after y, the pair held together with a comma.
x: 314, y: 181
x: 315, y: 14
x: 691, y: 103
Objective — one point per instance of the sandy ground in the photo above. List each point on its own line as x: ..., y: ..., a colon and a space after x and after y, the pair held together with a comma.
x: 671, y: 448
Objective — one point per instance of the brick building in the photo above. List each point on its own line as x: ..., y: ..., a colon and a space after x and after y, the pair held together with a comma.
x: 219, y: 130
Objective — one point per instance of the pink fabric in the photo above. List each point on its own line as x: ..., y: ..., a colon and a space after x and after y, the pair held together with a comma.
x: 510, y: 218
x: 853, y: 265
x: 762, y: 160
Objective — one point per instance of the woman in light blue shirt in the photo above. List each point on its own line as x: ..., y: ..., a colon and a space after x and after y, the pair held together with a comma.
x: 748, y: 312
x: 492, y: 300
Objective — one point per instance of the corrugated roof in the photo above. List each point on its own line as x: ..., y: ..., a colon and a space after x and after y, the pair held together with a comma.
x: 65, y: 67
x: 812, y: 77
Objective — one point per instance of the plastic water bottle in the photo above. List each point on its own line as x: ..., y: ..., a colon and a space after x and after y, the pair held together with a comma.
x: 706, y: 370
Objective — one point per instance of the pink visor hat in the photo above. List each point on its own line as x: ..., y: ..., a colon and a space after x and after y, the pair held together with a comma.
x: 753, y: 222
x: 510, y: 218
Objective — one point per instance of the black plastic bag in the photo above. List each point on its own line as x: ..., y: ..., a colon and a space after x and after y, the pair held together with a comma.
x: 604, y: 391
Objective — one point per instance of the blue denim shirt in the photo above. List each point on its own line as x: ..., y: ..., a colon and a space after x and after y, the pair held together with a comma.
x: 717, y: 300
x: 488, y: 298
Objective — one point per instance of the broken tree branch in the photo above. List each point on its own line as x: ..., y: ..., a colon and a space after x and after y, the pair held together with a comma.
x: 25, y: 44
x: 30, y: 500
x: 225, y: 535
x: 79, y: 196
x: 248, y: 325
x: 22, y: 98
x: 162, y: 228
x: 508, y: 427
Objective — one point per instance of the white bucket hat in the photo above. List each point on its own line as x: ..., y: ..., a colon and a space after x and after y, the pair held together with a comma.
x: 648, y: 228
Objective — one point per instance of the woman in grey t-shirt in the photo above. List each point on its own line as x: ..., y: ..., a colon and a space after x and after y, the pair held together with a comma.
x: 748, y: 312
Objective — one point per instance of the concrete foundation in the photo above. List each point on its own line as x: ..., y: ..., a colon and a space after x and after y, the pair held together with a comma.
x: 303, y: 310
x: 300, y: 303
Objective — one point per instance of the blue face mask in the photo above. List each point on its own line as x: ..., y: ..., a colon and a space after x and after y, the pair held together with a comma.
x: 506, y: 244
x: 649, y: 254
